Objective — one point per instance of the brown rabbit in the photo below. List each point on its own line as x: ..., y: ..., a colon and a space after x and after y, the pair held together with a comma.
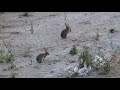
x: 40, y: 58
x: 65, y: 31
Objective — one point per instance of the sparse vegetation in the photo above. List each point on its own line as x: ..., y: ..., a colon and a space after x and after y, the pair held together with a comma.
x: 73, y: 50
x: 105, y: 69
x: 10, y: 57
x: 118, y: 62
x: 85, y: 56
x: 100, y: 55
x: 2, y: 56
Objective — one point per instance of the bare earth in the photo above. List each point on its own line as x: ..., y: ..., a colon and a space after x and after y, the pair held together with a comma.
x: 47, y: 28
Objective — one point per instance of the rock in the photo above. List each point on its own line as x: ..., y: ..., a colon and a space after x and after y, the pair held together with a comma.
x: 74, y: 71
x: 84, y: 71
x: 70, y: 70
x: 51, y: 71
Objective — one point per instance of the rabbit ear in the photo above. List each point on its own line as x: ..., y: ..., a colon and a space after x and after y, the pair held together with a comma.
x: 45, y: 49
x: 67, y: 25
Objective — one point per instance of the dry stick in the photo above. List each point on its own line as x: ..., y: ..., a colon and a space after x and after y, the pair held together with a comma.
x: 114, y: 57
x: 111, y: 44
x: 65, y: 16
x: 7, y: 45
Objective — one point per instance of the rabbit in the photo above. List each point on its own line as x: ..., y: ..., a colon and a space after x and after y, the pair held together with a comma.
x: 41, y: 57
x: 65, y: 31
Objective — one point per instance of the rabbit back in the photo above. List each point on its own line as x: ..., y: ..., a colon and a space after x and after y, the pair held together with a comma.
x: 64, y: 34
x: 40, y: 58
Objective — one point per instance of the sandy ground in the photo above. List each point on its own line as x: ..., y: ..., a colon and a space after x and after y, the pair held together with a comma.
x: 47, y: 28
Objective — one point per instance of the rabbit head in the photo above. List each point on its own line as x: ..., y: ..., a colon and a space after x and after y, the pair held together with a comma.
x: 68, y: 27
x: 46, y: 51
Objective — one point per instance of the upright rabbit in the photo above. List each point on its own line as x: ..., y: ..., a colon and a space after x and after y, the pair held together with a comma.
x: 40, y: 58
x: 65, y: 31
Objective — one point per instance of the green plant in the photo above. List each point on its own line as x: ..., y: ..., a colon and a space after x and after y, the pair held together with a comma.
x: 2, y: 56
x: 85, y: 56
x: 105, y: 69
x: 10, y: 57
x: 74, y: 50
x: 118, y: 62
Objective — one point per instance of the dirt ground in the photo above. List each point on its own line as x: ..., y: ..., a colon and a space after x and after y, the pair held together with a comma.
x: 15, y: 28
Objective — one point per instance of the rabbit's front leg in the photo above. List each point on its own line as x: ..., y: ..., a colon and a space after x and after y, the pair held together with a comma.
x: 43, y: 59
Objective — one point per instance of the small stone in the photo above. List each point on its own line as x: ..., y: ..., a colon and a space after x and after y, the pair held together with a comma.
x: 51, y: 71
x: 12, y: 76
x: 35, y: 67
x: 49, y: 64
x: 72, y: 61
